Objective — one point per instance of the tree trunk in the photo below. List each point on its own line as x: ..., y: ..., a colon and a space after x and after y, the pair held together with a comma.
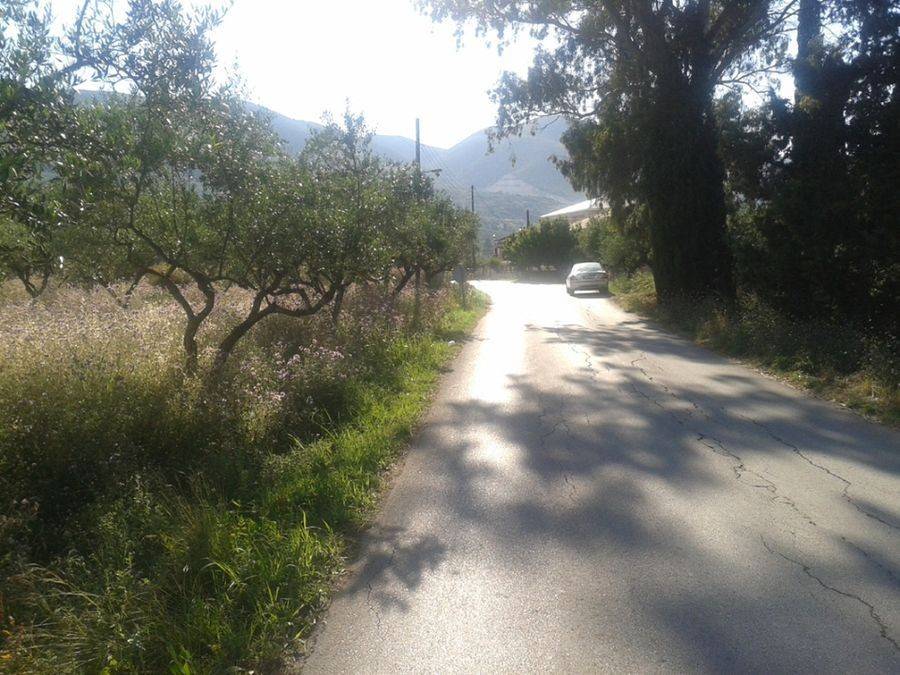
x: 417, y: 304
x: 685, y: 187
x: 189, y: 340
x: 807, y: 71
x: 124, y: 301
x: 815, y: 218
x: 336, y: 306
x: 229, y: 342
x: 809, y: 28
x: 407, y: 275
x: 193, y: 320
x: 34, y: 290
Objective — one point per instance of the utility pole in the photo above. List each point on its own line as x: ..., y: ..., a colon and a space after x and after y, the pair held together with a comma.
x: 418, y: 301
x: 474, y: 243
x: 418, y: 149
x: 527, y: 217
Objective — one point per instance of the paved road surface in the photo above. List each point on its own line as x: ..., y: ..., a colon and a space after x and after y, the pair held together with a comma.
x: 592, y: 494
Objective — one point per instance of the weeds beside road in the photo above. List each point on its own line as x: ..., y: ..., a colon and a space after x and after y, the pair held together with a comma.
x: 147, y: 525
x: 861, y: 372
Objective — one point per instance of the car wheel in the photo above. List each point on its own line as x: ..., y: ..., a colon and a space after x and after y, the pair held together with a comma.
x: 570, y: 291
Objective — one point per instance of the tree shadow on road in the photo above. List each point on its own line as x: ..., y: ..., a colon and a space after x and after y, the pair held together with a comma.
x: 624, y: 459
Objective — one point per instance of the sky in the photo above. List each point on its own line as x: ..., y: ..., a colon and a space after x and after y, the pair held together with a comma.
x: 302, y: 58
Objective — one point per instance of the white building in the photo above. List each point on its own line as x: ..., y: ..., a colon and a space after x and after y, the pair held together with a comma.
x: 578, y: 214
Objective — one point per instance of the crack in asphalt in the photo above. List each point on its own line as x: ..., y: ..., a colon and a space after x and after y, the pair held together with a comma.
x: 697, y: 408
x: 374, y: 607
x: 586, y: 355
x: 371, y: 605
x: 573, y: 491
x: 887, y: 570
x: 740, y: 468
x: 797, y: 451
x: 562, y: 423
x: 794, y: 448
x: 882, y: 626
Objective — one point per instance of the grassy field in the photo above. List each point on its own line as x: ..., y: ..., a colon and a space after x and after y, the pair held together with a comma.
x: 837, y: 363
x: 148, y: 525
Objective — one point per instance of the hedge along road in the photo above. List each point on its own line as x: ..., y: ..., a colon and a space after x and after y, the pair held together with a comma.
x: 589, y: 493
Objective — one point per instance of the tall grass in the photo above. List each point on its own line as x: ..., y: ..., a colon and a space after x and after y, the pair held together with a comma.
x: 148, y: 524
x: 835, y: 361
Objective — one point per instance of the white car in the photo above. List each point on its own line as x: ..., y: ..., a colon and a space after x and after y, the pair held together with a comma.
x: 589, y: 276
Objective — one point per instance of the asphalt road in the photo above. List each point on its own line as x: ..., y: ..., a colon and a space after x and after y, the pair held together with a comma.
x: 590, y: 493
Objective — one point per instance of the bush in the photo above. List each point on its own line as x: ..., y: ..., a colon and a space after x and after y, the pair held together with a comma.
x: 636, y: 291
x: 549, y: 243
x: 495, y: 264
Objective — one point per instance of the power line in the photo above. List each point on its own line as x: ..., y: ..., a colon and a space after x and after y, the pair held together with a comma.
x: 447, y: 176
x: 457, y: 186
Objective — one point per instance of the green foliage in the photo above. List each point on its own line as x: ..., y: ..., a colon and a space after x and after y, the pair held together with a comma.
x: 813, y: 181
x: 36, y: 124
x: 428, y: 234
x: 621, y: 248
x: 160, y: 510
x: 180, y: 175
x: 636, y: 292
x: 795, y: 201
x: 146, y: 525
x: 493, y: 263
x: 354, y: 199
x: 549, y: 243
x: 176, y: 175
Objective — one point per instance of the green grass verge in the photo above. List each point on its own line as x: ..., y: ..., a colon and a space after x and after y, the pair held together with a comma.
x: 192, y: 577
x: 834, y: 362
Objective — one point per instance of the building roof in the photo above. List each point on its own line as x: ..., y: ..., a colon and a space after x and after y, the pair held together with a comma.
x: 586, y: 206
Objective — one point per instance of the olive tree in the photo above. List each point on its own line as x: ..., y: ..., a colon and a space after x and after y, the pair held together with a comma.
x: 205, y: 202
x: 182, y: 182
x: 37, y: 132
x: 352, y: 196
x: 385, y: 219
x: 429, y: 234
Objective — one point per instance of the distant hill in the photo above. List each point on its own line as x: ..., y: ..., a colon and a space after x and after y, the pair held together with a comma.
x: 517, y: 176
x: 517, y: 165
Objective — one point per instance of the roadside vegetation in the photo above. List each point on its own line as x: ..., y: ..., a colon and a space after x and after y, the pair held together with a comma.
x: 836, y: 362
x: 149, y: 524
x: 548, y: 243
x: 210, y: 350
